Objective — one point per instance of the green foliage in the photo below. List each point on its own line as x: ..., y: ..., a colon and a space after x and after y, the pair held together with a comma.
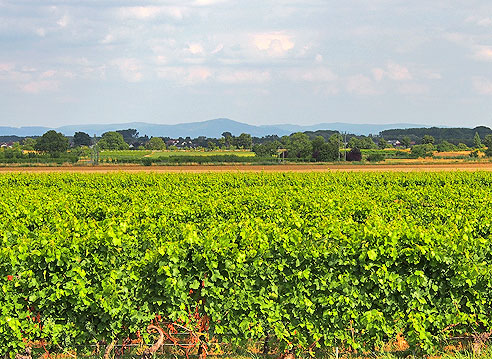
x: 428, y: 139
x: 446, y: 146
x: 487, y: 141
x: 267, y: 149
x: 112, y: 140
x: 81, y: 139
x: 244, y: 141
x: 311, y: 257
x: 52, y: 142
x: 362, y: 142
x: 453, y: 135
x: 28, y: 144
x: 326, y: 151
x: 299, y: 146
x: 406, y: 141
x: 155, y: 143
x: 375, y: 157
x: 422, y: 151
x: 382, y: 143
x: 477, y: 141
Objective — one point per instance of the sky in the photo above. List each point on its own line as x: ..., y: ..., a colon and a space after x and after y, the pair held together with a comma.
x: 255, y: 61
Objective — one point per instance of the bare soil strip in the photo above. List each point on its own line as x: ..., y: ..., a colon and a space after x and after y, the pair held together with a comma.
x: 257, y: 168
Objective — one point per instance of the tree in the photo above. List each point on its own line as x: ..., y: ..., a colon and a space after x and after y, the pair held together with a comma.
x: 130, y: 135
x: 28, y: 144
x: 244, y: 141
x: 227, y: 138
x: 477, y: 142
x: 155, y: 143
x: 428, y: 139
x: 382, y: 144
x: 423, y: 151
x: 487, y: 141
x: 353, y: 142
x: 52, y: 142
x: 267, y: 149
x: 406, y: 141
x: 446, y: 146
x: 81, y: 139
x: 300, y: 146
x: 317, y: 144
x: 326, y: 151
x: 112, y: 141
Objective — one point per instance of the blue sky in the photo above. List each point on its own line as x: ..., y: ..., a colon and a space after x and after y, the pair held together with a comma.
x: 255, y: 61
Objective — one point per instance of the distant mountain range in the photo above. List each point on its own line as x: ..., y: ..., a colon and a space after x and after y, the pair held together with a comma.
x: 210, y: 128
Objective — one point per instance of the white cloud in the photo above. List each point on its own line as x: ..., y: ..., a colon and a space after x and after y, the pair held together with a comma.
x: 482, y: 85
x: 6, y: 67
x: 218, y: 49
x: 483, y: 53
x: 480, y: 21
x: 413, y: 88
x: 360, y: 85
x: 129, y: 68
x: 319, y: 74
x: 41, y: 32
x: 184, y: 76
x: 243, y: 76
x: 47, y: 74
x: 393, y: 72
x: 151, y: 12
x: 109, y: 38
x: 35, y: 87
x: 195, y: 49
x: 273, y: 43
x: 207, y: 2
x: 318, y: 58
x: 63, y: 21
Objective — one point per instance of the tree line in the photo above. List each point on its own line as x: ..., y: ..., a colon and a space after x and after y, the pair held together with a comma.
x: 322, y: 145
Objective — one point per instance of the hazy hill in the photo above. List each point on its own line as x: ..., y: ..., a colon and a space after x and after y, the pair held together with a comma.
x: 210, y: 128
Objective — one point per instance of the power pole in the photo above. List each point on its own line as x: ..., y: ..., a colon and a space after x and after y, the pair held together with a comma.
x: 95, y: 152
x: 345, y: 146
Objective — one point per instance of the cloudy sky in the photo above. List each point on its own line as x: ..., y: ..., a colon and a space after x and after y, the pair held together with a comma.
x: 255, y: 61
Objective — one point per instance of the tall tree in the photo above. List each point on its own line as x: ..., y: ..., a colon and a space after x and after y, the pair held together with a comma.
x: 81, y: 139
x: 52, y: 142
x: 112, y: 141
x: 428, y: 139
x: 406, y: 141
x: 477, y: 141
x: 487, y: 141
x: 155, y: 143
x: 28, y: 144
x: 130, y: 135
x: 244, y: 141
x: 300, y: 146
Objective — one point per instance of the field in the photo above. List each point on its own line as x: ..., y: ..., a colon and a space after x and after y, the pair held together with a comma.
x: 400, y: 166
x: 139, y: 154
x: 312, y: 261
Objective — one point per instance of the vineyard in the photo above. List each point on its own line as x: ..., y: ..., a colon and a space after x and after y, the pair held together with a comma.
x: 309, y: 261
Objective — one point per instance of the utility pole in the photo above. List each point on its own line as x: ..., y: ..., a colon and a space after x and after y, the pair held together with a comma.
x: 345, y: 145
x: 95, y: 152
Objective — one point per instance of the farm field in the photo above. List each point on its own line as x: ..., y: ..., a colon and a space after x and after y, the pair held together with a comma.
x: 388, y: 166
x: 139, y: 154
x: 312, y: 261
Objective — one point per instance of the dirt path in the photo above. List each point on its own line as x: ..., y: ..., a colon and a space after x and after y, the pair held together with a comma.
x: 259, y: 168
